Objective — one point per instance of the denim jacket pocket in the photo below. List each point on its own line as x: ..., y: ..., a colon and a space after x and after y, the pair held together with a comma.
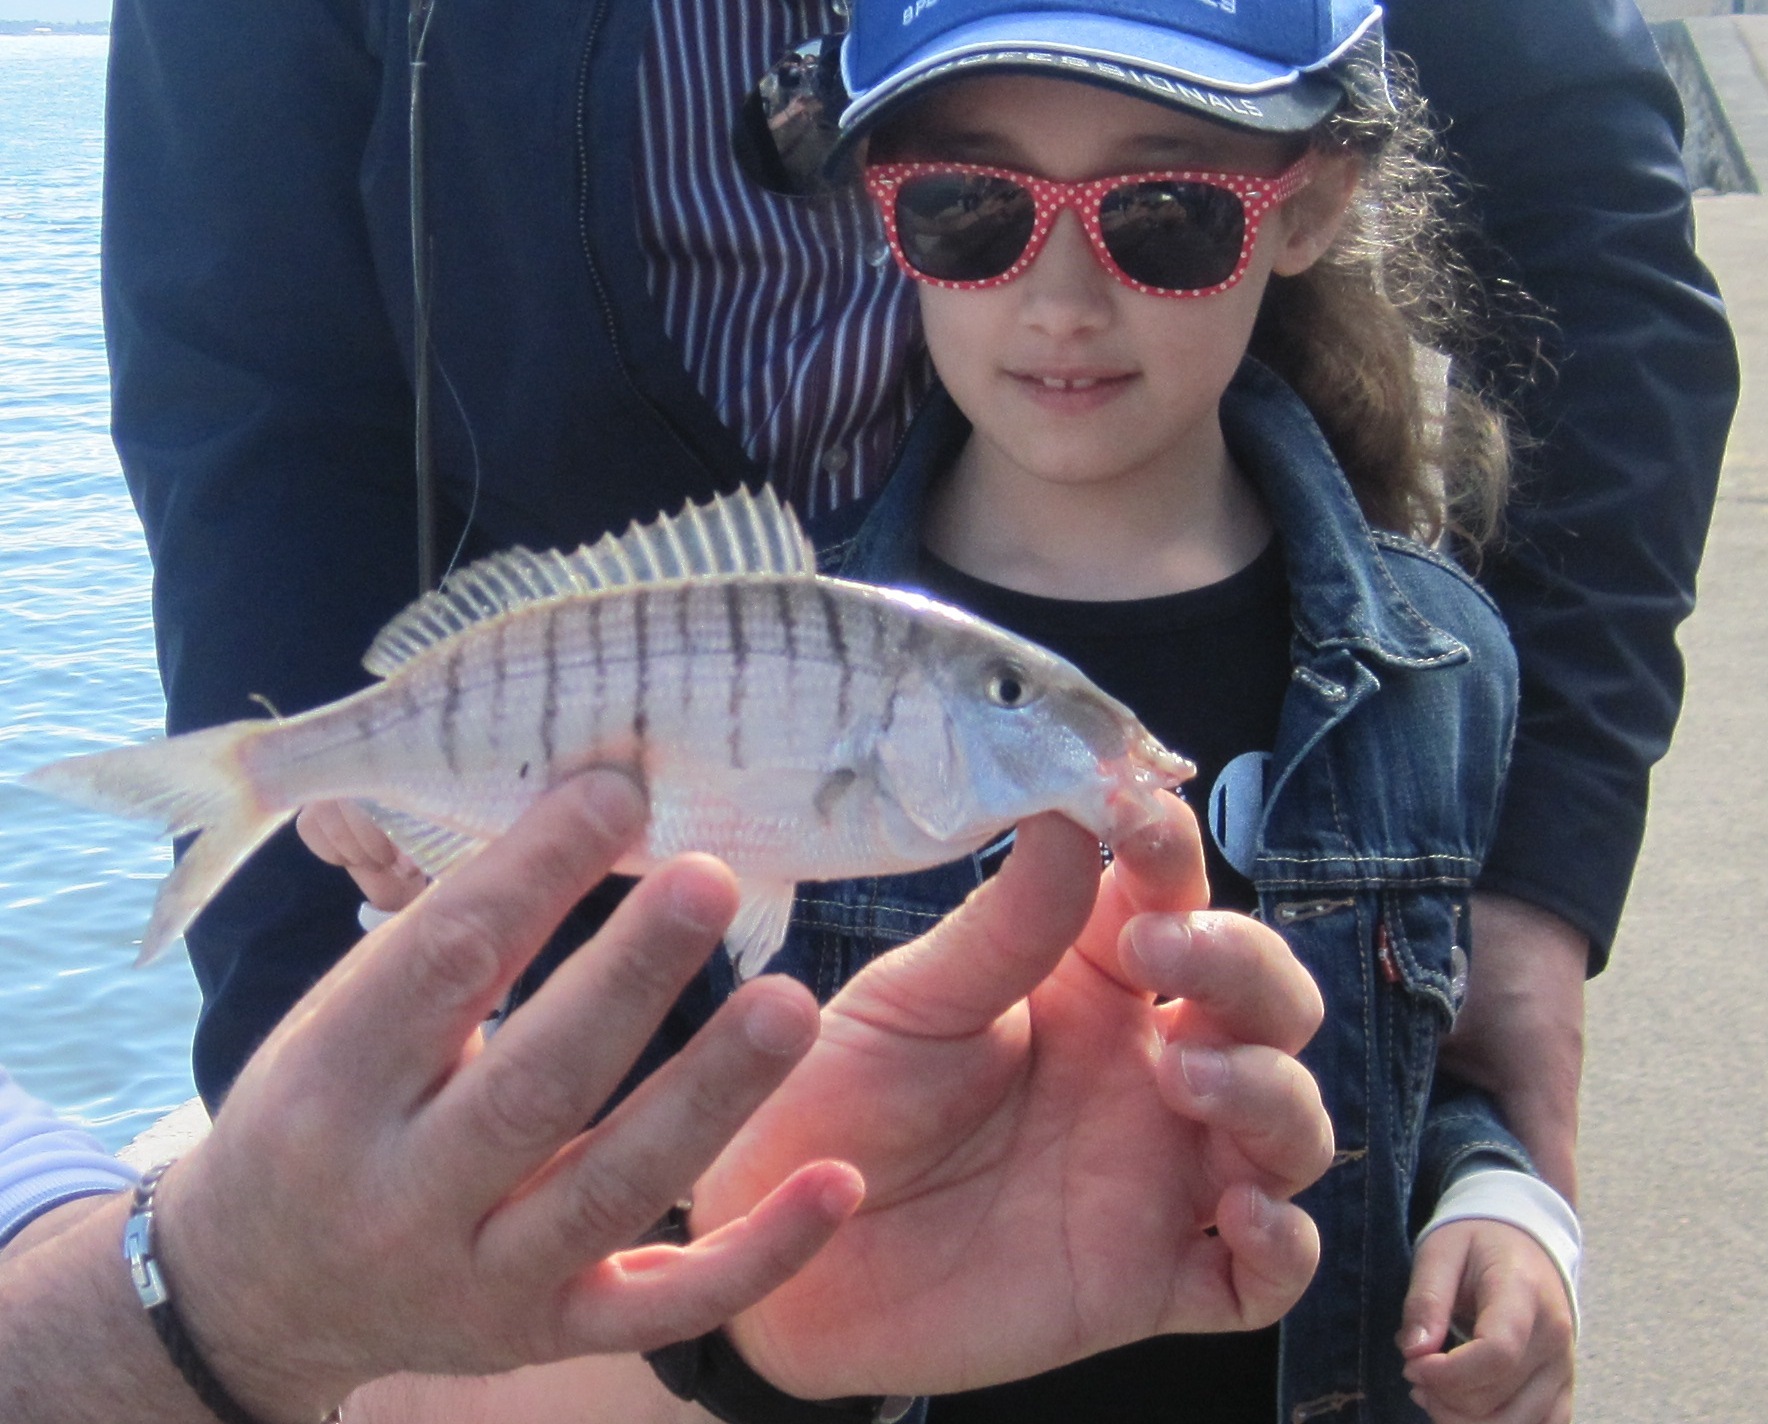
x: 1419, y: 963
x: 1420, y: 945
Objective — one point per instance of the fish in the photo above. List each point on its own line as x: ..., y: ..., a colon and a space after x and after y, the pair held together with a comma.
x: 798, y: 726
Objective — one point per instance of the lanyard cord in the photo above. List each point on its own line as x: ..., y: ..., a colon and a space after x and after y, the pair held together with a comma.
x: 417, y: 33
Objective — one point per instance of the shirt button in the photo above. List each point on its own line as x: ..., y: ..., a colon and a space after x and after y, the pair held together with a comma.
x: 878, y: 253
x: 834, y: 461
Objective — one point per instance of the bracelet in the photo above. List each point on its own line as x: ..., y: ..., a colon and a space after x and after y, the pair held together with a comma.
x: 156, y: 1299
x: 709, y: 1372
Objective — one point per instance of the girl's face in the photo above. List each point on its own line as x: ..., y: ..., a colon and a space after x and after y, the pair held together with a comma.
x: 1068, y: 375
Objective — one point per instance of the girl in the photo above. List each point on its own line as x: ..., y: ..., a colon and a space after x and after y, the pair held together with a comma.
x: 1175, y: 275
x: 1176, y: 266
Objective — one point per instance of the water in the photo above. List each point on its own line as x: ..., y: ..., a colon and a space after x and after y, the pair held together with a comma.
x: 106, y: 1043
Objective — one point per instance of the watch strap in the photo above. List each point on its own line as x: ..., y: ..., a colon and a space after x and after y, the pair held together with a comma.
x: 710, y: 1372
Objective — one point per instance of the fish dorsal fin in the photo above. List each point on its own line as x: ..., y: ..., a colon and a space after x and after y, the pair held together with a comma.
x: 740, y: 533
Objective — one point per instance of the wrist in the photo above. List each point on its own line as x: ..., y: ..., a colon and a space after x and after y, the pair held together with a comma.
x: 246, y: 1370
x: 1499, y: 1193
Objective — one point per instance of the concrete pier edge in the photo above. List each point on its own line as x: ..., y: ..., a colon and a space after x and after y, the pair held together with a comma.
x: 1720, y: 65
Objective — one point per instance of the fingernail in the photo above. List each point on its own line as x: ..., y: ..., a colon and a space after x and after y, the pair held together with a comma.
x: 613, y: 803
x: 1159, y: 944
x: 778, y: 1028
x: 1205, y: 1070
x: 1412, y: 1337
x: 841, y: 1196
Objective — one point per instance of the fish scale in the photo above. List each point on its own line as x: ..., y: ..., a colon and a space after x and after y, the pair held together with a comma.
x: 801, y: 727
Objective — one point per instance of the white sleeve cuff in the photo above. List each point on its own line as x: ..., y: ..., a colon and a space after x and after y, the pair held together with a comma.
x: 370, y: 918
x: 23, y: 1202
x: 1525, y: 1202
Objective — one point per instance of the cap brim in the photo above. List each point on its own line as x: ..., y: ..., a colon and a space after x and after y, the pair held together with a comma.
x: 1150, y: 62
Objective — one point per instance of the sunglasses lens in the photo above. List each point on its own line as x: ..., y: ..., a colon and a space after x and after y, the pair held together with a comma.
x: 1175, y: 236
x: 956, y: 227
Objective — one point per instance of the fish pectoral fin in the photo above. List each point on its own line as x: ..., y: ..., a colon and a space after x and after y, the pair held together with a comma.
x: 759, y: 928
x: 434, y: 848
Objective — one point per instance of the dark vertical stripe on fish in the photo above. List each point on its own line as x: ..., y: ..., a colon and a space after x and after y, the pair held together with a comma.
x: 915, y: 635
x: 641, y: 658
x: 500, y: 672
x: 788, y: 623
x: 598, y: 702
x: 549, y: 697
x: 838, y: 650
x: 733, y: 617
x: 449, y: 729
x: 683, y: 596
x: 880, y: 639
x: 788, y: 637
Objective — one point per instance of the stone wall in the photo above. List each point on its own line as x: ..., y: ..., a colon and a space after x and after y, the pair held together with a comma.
x: 1688, y: 9
x: 1720, y: 66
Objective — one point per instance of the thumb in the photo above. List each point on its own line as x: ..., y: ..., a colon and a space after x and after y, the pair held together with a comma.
x: 995, y: 948
x: 1430, y: 1302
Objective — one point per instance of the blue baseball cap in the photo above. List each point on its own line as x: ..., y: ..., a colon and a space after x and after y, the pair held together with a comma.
x: 1277, y: 66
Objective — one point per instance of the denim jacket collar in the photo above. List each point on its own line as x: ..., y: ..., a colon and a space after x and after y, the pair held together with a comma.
x: 1343, y: 595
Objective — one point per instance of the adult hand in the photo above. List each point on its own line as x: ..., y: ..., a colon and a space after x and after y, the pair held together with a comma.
x: 1520, y: 1032
x: 383, y: 1190
x: 1516, y: 1364
x: 1045, y: 1144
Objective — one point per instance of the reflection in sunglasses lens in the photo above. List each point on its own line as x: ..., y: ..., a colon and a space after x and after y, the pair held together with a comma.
x: 963, y: 228
x: 1176, y: 236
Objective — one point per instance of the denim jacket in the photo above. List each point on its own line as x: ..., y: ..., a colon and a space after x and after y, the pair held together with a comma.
x: 1380, y: 801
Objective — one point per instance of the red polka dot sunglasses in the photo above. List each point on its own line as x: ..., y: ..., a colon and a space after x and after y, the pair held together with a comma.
x: 1173, y: 234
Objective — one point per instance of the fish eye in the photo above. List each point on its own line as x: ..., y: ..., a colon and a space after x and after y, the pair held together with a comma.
x: 1009, y: 687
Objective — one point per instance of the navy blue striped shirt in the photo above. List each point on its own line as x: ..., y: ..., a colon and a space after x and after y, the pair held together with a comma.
x: 789, y: 313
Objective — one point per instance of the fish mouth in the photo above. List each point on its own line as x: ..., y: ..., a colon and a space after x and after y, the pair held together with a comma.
x: 1167, y: 768
x: 1137, y: 779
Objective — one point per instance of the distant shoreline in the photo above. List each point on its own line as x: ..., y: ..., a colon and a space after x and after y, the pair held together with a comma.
x: 54, y: 27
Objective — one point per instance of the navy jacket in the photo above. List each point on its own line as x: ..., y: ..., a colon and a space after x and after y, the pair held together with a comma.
x: 1381, y: 798
x: 257, y: 278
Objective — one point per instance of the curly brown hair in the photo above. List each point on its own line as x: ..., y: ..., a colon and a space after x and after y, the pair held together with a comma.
x: 1390, y: 339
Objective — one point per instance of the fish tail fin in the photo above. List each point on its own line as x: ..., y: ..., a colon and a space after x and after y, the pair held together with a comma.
x: 195, y: 782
